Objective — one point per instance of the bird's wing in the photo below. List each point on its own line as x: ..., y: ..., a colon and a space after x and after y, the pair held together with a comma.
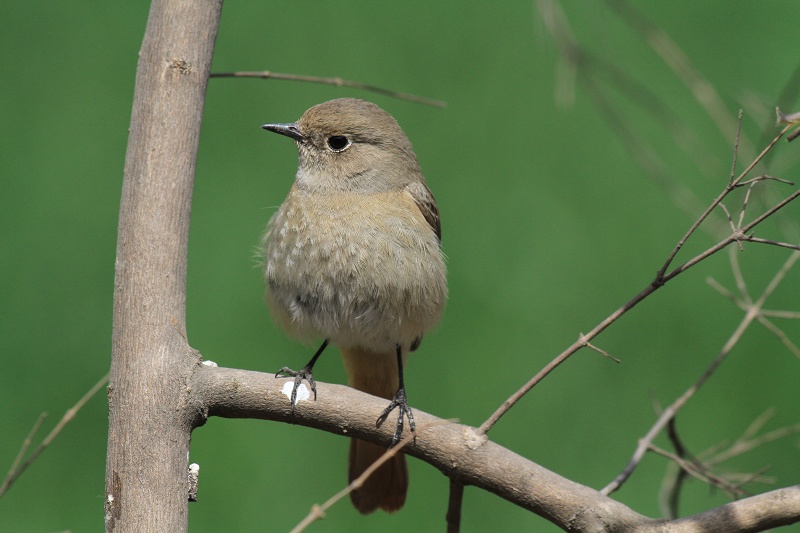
x: 427, y: 205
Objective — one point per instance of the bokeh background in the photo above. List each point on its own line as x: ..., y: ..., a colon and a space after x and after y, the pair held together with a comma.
x: 549, y: 225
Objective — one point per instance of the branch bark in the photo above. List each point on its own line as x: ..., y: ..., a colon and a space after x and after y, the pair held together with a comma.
x: 149, y: 432
x: 464, y: 454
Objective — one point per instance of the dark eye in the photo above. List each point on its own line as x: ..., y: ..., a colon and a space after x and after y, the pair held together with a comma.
x: 337, y: 143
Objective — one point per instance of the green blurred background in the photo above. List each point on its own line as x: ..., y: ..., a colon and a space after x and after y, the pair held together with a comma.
x: 549, y: 225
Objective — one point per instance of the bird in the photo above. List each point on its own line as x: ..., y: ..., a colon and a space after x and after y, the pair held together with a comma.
x: 353, y: 257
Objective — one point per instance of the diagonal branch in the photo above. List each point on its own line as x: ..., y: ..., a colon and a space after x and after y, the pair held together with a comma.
x: 661, y: 279
x: 17, y: 471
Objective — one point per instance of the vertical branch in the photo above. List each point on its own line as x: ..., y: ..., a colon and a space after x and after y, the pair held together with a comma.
x: 454, y: 506
x: 149, y: 426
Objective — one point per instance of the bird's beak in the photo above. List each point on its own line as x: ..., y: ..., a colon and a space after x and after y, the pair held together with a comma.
x: 290, y: 130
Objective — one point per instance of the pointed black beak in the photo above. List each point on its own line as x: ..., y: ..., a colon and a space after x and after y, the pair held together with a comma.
x: 290, y: 130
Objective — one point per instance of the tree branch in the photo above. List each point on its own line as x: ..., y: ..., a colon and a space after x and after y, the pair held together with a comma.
x: 336, y: 82
x: 462, y: 454
x: 751, y: 314
x: 661, y: 279
x: 151, y: 359
x: 17, y: 469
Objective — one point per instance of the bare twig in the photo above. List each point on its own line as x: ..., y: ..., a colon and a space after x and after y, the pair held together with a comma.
x: 751, y: 315
x: 698, y: 471
x: 22, y: 451
x: 781, y: 314
x: 741, y: 285
x: 338, y: 82
x: 677, y: 60
x: 717, y: 455
x: 318, y: 511
x: 598, y: 350
x: 662, y: 277
x: 736, y: 146
x: 702, y: 468
x: 596, y: 76
x: 779, y: 333
x: 764, y: 177
x: 717, y: 286
x: 744, y: 203
x: 731, y: 185
x: 674, y: 491
x: 758, y: 424
x: 749, y: 442
x: 790, y: 246
x: 68, y: 416
x: 763, y: 317
x: 583, y: 62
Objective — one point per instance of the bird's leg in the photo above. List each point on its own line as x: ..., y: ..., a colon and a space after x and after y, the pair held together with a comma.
x: 399, y: 401
x: 303, y: 374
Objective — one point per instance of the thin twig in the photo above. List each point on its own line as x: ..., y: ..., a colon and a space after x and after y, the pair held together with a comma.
x: 699, y: 472
x: 661, y: 279
x: 745, y: 445
x: 680, y: 476
x: 771, y: 211
x: 758, y: 424
x: 338, y: 82
x: 598, y: 77
x: 598, y: 350
x: 765, y: 314
x: 318, y: 511
x: 765, y: 177
x: 781, y: 314
x: 759, y: 240
x: 744, y: 203
x: 667, y: 498
x: 731, y: 239
x: 677, y: 60
x: 23, y: 450
x: 741, y: 285
x: 563, y: 356
x: 718, y: 199
x: 778, y: 332
x: 736, y: 146
x: 751, y: 315
x: 572, y: 52
x: 68, y: 416
x: 734, y: 229
x: 717, y: 286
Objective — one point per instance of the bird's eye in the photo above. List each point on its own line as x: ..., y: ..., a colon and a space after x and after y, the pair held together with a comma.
x: 337, y: 143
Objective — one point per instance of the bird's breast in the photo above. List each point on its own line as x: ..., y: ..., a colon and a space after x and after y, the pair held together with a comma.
x: 361, y: 266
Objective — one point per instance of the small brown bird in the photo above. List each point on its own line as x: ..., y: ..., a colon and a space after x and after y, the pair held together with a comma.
x: 353, y: 257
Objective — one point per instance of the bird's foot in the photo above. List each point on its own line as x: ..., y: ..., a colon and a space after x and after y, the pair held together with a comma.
x: 299, y: 376
x: 404, y: 410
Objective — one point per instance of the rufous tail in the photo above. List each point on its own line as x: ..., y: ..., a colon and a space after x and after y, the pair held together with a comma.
x: 376, y: 374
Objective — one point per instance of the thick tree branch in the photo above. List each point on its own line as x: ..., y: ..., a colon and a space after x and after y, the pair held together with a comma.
x: 462, y: 454
x: 148, y: 442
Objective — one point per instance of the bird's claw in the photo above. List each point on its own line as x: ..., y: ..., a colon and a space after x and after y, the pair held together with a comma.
x: 299, y: 376
x: 404, y: 410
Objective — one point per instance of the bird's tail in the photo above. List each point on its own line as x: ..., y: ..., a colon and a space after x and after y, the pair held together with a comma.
x: 376, y: 374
